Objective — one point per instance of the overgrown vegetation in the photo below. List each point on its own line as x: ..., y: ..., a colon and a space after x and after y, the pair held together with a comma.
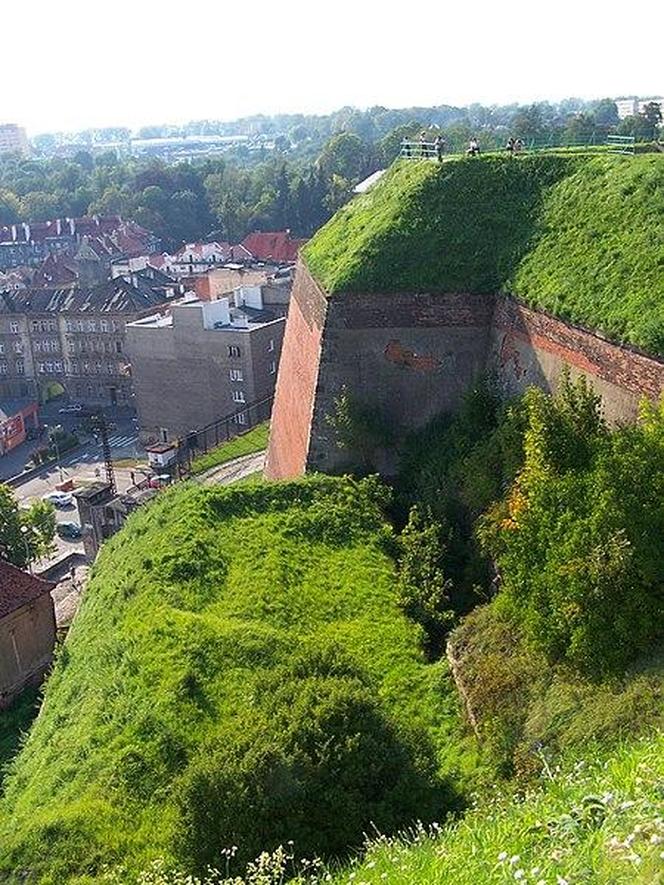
x: 254, y: 440
x: 239, y: 674
x: 542, y: 227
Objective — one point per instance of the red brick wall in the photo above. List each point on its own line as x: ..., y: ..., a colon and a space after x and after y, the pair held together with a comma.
x: 531, y: 347
x: 297, y: 380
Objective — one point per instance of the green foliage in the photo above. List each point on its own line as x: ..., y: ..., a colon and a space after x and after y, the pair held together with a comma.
x: 360, y: 430
x: 25, y: 535
x: 254, y: 440
x: 14, y: 724
x: 545, y: 228
x: 422, y: 588
x: 577, y: 540
x: 239, y: 673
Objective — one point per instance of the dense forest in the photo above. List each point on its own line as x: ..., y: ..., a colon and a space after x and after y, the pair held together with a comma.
x: 296, y: 172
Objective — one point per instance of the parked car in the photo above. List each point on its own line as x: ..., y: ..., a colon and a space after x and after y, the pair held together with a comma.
x: 59, y: 499
x: 71, y: 408
x: 69, y: 530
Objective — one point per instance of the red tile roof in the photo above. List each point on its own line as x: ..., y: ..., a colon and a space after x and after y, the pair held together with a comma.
x: 18, y: 588
x: 272, y: 246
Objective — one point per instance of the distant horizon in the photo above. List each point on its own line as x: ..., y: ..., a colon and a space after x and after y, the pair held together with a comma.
x: 184, y: 121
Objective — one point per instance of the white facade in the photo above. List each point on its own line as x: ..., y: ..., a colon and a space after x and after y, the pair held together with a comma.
x: 13, y: 139
x: 630, y: 107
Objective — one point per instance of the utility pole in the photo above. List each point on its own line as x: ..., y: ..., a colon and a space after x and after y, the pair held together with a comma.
x: 98, y: 422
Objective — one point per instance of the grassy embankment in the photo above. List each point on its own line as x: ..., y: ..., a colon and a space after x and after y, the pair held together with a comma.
x: 577, y: 235
x: 254, y: 440
x: 239, y: 674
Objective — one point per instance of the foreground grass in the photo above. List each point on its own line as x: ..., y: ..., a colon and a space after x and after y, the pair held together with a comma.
x: 238, y: 648
x: 597, y: 821
x: 15, y: 723
x: 254, y: 440
x: 581, y: 236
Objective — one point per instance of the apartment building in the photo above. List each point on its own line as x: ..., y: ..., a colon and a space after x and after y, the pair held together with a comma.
x: 13, y: 140
x: 204, y: 360
x: 72, y: 340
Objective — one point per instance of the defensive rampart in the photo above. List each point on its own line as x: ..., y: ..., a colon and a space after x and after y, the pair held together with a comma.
x: 414, y: 355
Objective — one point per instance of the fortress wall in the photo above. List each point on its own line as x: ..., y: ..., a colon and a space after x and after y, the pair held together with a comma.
x: 414, y: 355
x: 297, y: 379
x: 529, y: 347
x: 410, y: 355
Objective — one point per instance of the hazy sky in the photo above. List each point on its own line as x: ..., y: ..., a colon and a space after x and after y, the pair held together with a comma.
x: 73, y: 64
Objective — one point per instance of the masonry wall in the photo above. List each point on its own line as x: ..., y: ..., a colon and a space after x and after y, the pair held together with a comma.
x: 529, y: 347
x: 414, y: 355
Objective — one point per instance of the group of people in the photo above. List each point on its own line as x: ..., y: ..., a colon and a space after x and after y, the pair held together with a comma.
x: 438, y: 146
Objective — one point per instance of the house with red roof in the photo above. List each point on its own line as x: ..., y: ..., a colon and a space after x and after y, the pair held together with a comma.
x: 273, y: 246
x: 27, y: 630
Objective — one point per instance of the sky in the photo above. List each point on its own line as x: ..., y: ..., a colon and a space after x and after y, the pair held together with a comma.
x: 82, y: 64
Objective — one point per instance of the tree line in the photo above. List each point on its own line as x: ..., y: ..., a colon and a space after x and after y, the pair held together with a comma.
x: 298, y: 184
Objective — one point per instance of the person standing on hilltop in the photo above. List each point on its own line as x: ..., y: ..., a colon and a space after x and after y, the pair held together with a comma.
x: 423, y: 144
x: 440, y: 147
x: 473, y: 148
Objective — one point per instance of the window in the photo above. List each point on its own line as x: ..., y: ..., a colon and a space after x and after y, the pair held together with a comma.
x: 35, y: 325
x: 20, y: 367
x: 79, y: 325
x: 71, y: 347
x: 233, y: 350
x: 273, y: 367
x: 55, y: 345
x: 240, y: 418
x: 118, y: 346
x: 270, y: 345
x: 18, y: 347
x: 235, y: 374
x: 73, y: 367
x: 58, y: 366
x: 86, y: 368
x: 49, y: 368
x: 2, y: 347
x: 103, y: 325
x: 51, y: 326
x: 69, y: 326
x: 238, y: 396
x: 38, y: 346
x: 13, y: 327
x: 42, y: 368
x: 3, y: 368
x: 110, y: 368
x: 163, y: 432
x: 92, y: 326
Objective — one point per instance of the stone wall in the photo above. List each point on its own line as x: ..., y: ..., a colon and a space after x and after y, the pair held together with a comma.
x: 414, y: 355
x: 530, y: 347
x: 27, y: 639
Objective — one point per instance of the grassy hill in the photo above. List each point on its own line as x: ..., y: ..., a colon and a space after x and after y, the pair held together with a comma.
x: 239, y: 674
x: 580, y: 236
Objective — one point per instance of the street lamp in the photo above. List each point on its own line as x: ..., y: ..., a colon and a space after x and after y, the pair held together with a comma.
x: 54, y: 440
x: 28, y: 558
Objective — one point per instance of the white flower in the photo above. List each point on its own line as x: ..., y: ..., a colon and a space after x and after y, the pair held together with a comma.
x: 502, y: 856
x: 535, y: 871
x: 514, y: 860
x: 655, y: 839
x: 519, y: 874
x: 561, y: 881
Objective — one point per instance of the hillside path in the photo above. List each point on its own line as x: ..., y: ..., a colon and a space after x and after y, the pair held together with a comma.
x: 233, y: 470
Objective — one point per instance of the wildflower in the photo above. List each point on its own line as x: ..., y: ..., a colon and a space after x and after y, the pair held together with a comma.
x: 656, y: 840
x: 519, y: 874
x: 535, y: 871
x: 625, y: 805
x: 514, y: 860
x: 561, y: 881
x: 502, y: 856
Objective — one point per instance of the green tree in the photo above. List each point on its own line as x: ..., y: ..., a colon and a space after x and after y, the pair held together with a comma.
x: 344, y: 155
x: 653, y: 115
x: 25, y: 535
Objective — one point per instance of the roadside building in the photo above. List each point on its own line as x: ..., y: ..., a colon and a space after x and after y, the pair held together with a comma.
x: 204, y: 360
x: 27, y: 630
x: 71, y: 340
x: 17, y: 418
x: 277, y: 247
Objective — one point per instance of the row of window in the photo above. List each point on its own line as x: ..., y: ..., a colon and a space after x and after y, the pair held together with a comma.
x: 17, y: 347
x: 234, y: 350
x: 237, y: 375
x: 83, y: 346
x: 70, y: 326
x: 20, y: 368
x: 58, y: 367
x: 49, y: 345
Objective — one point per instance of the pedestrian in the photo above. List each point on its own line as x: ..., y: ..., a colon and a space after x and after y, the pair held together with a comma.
x: 518, y: 146
x: 509, y: 147
x: 473, y: 148
x: 423, y: 144
x: 440, y: 147
x: 132, y: 476
x: 405, y: 149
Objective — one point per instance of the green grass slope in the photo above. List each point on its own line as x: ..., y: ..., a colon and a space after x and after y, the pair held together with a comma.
x: 580, y: 236
x: 596, y: 820
x: 239, y: 674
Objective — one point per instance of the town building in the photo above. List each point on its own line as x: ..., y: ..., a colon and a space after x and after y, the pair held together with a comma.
x: 205, y: 360
x: 30, y: 243
x: 13, y: 140
x: 71, y: 340
x: 276, y: 247
x: 27, y: 630
x: 630, y: 107
x: 17, y: 419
